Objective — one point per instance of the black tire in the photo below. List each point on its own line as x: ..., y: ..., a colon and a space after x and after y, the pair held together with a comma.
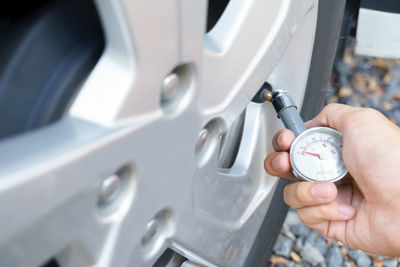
x: 47, y: 50
x: 329, y: 21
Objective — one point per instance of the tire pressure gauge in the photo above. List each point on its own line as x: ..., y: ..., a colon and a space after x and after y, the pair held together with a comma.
x: 316, y: 153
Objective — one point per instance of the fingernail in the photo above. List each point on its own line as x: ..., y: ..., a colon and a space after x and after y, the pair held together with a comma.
x: 279, y: 141
x: 346, y: 210
x: 321, y: 191
x: 276, y: 163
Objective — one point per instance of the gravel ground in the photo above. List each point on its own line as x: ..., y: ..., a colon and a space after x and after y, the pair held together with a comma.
x: 361, y: 82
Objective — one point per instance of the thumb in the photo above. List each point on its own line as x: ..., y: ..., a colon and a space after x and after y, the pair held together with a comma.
x: 333, y: 115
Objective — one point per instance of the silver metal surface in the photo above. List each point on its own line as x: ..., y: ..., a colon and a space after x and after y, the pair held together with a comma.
x: 109, y: 189
x: 281, y: 100
x: 207, y: 214
x: 169, y: 87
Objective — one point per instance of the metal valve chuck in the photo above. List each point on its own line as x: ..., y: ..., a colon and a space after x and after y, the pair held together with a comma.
x: 286, y: 110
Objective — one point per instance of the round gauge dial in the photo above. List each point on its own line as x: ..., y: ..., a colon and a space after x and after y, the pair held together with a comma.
x: 316, y: 155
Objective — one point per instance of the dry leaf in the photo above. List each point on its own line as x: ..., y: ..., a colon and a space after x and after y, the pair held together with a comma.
x: 387, y: 77
x: 396, y: 96
x: 360, y: 81
x: 349, y: 59
x: 380, y: 64
x: 295, y: 257
x: 344, y: 253
x: 333, y: 99
x: 345, y: 91
x: 277, y: 259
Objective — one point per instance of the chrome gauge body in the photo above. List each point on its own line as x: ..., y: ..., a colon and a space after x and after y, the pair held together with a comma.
x: 316, y: 155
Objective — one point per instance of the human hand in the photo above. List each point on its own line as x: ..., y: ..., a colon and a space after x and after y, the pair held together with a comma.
x: 363, y: 211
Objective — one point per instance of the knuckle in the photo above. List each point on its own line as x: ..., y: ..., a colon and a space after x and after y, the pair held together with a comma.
x: 289, y: 196
x: 371, y: 112
x: 304, y: 218
x: 323, y: 211
x: 300, y: 195
x: 285, y: 198
x: 286, y: 195
x: 367, y: 113
x: 330, y: 107
x: 267, y: 163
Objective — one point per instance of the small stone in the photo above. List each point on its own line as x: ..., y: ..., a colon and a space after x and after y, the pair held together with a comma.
x: 360, y: 258
x: 299, y: 229
x: 299, y: 244
x: 343, y: 68
x: 392, y: 87
x: 374, y: 100
x: 345, y: 91
x: 286, y: 231
x: 283, y: 246
x: 278, y: 260
x: 321, y: 245
x: 360, y: 80
x: 334, y: 257
x: 295, y: 257
x: 293, y: 264
x: 311, y: 254
x: 364, y: 66
x: 344, y: 80
x: 392, y: 263
x: 347, y: 264
x: 306, y: 264
x: 377, y: 258
x: 292, y: 218
x: 311, y: 237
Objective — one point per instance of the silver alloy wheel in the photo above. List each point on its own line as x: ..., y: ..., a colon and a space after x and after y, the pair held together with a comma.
x: 158, y: 138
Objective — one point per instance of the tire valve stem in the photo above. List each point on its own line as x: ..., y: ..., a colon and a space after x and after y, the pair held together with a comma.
x: 266, y: 95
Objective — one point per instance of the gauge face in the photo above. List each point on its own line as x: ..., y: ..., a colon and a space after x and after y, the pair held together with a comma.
x: 316, y: 155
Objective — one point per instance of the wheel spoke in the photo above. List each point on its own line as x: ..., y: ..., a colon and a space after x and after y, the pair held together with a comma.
x: 145, y: 41
x: 49, y: 181
x: 243, y: 48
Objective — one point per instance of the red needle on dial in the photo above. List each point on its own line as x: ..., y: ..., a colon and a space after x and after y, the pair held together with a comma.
x: 314, y: 154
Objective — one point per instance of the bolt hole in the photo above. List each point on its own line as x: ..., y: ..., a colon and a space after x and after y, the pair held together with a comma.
x: 158, y: 229
x: 114, y: 190
x: 176, y: 88
x: 207, y: 141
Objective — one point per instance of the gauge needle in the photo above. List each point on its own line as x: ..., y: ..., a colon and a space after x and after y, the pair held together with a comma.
x: 314, y: 154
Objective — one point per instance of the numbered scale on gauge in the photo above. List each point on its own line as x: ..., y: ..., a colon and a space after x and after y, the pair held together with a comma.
x: 316, y: 155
